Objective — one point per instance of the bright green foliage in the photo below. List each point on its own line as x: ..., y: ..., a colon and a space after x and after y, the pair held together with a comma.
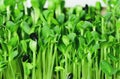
x: 106, y: 68
x: 59, y: 42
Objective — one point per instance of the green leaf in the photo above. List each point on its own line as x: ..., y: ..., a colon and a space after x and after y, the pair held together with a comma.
x: 24, y: 45
x: 72, y: 18
x: 107, y: 16
x: 106, y: 68
x: 9, y: 2
x: 78, y: 9
x: 59, y: 68
x: 11, y: 26
x: 81, y: 41
x: 111, y: 38
x: 27, y: 68
x: 96, y: 46
x: 98, y: 6
x: 62, y: 48
x: 35, y: 3
x: 112, y: 57
x: 65, y: 40
x: 118, y: 24
x: 25, y: 27
x: 86, y: 25
x: 57, y: 29
x: 38, y: 3
x: 47, y: 14
x: 3, y: 65
x: 96, y: 35
x: 14, y: 41
x: 33, y: 45
x: 93, y: 48
x: 2, y: 6
x: 18, y: 14
x: 4, y: 46
x: 60, y: 18
x: 54, y: 21
x: 13, y: 54
x: 20, y: 5
x: 89, y: 37
x: 35, y: 15
x: 1, y: 19
x: 79, y: 25
x: 46, y: 31
x: 72, y: 36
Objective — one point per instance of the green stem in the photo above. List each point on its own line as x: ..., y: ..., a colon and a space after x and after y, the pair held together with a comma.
x: 66, y: 65
x: 34, y: 64
x: 39, y: 65
x: 25, y: 8
x: 57, y: 73
x: 12, y: 71
x: 24, y: 66
x: 50, y: 61
x: 53, y: 60
x: 79, y: 71
x: 103, y: 27
x: 96, y: 67
x: 74, y: 70
x: 102, y: 58
x: 1, y: 75
x: 84, y: 67
x: 84, y: 71
x: 8, y: 12
x: 43, y: 62
x: 105, y: 53
x: 89, y: 66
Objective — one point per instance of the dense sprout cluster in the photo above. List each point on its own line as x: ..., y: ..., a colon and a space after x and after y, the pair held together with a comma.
x: 59, y: 42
